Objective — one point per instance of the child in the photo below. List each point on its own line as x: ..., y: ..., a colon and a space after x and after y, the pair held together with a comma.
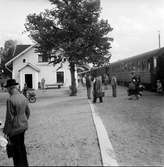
x: 3, y: 141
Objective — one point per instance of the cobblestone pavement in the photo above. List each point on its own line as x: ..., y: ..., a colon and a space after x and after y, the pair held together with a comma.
x: 135, y: 127
x: 61, y: 131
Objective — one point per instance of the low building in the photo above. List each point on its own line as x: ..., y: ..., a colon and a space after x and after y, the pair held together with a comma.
x: 30, y: 68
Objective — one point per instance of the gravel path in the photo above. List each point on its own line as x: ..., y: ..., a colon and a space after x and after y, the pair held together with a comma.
x: 61, y: 131
x: 135, y: 127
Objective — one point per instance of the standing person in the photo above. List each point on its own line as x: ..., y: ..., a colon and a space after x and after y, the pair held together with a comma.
x: 159, y: 86
x: 2, y: 86
x: 114, y: 85
x: 97, y: 90
x: 106, y: 79
x: 139, y: 86
x: 133, y: 86
x: 25, y: 89
x: 83, y: 80
x: 16, y: 123
x: 88, y: 86
x: 42, y: 83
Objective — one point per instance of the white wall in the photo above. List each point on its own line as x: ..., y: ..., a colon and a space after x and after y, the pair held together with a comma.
x: 47, y: 71
x: 30, y: 56
x: 29, y: 70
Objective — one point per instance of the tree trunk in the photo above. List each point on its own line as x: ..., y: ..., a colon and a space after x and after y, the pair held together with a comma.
x: 73, y: 80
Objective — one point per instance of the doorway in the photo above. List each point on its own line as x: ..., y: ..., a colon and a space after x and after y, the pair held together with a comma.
x: 28, y: 80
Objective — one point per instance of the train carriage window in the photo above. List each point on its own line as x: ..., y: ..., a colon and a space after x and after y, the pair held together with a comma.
x: 155, y: 62
x: 120, y: 69
x: 143, y: 65
x: 148, y: 67
x: 129, y: 66
x: 138, y: 65
x: 132, y: 65
x: 125, y: 67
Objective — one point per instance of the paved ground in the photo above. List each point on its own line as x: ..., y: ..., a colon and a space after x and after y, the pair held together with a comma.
x: 61, y: 131
x: 135, y: 127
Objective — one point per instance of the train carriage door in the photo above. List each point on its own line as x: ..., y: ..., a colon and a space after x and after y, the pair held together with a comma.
x: 152, y: 71
x: 160, y: 67
x: 155, y: 62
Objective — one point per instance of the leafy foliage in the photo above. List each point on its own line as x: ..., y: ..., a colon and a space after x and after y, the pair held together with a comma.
x: 74, y: 27
x: 6, y: 54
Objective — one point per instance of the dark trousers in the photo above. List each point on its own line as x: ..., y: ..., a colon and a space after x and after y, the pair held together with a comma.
x: 114, y: 91
x: 20, y: 155
x: 89, y: 92
x: 95, y: 98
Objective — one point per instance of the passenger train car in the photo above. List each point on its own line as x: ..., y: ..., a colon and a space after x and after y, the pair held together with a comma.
x: 149, y: 66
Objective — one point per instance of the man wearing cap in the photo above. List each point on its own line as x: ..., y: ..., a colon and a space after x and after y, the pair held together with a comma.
x: 16, y: 123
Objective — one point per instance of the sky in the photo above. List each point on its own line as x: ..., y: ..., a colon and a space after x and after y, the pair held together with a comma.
x: 136, y: 23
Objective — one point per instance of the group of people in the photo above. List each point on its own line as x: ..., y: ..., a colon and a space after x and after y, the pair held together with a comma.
x: 94, y: 85
x: 135, y: 87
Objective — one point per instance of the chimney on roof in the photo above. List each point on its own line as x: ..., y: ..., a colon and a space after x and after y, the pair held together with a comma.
x: 159, y: 39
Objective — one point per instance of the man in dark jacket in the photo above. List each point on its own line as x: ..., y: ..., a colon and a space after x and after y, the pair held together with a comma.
x: 97, y: 89
x: 114, y: 85
x: 88, y: 86
x: 16, y: 122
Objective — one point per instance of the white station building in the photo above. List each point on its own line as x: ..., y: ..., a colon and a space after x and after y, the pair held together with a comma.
x: 30, y: 68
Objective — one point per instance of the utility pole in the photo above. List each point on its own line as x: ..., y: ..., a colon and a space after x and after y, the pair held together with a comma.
x: 159, y: 39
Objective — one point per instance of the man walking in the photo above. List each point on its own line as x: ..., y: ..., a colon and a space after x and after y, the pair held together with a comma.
x: 97, y: 89
x: 88, y: 86
x: 114, y: 85
x: 16, y: 122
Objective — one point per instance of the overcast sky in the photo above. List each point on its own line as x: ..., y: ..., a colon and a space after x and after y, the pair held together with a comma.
x: 136, y: 23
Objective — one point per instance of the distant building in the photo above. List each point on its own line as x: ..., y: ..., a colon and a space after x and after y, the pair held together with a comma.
x: 29, y: 67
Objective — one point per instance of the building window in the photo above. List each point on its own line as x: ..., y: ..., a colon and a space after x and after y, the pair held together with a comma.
x: 43, y: 58
x: 60, y: 77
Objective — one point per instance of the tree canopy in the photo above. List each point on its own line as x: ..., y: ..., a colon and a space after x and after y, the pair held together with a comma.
x: 74, y: 27
x: 6, y: 54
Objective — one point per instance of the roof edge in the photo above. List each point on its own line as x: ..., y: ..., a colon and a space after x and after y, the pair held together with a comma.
x: 27, y: 49
x: 31, y: 65
x: 138, y: 55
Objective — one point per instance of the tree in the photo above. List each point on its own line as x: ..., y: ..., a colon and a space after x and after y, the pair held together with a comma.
x: 74, y: 27
x: 6, y: 55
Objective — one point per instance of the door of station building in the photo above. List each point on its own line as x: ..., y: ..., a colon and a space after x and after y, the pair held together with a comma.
x: 28, y: 80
